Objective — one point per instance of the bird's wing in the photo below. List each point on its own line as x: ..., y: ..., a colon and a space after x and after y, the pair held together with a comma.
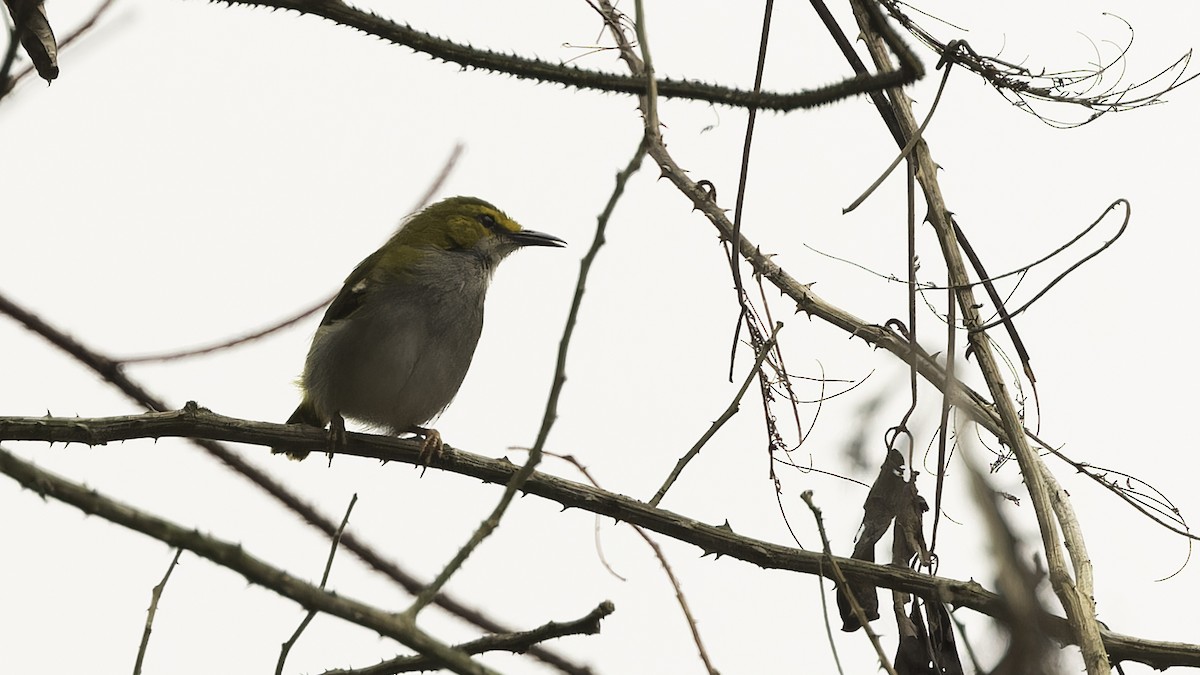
x: 353, y: 291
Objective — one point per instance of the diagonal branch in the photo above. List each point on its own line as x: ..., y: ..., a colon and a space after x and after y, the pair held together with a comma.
x: 1073, y: 593
x: 233, y: 557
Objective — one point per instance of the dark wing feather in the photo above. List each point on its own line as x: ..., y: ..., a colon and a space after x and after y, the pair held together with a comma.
x: 351, y: 296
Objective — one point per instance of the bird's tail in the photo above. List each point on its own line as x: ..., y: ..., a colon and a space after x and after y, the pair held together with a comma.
x: 305, y: 413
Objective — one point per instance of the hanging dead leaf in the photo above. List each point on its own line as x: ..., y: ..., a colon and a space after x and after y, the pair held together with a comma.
x: 36, y: 35
x: 883, y: 502
x: 927, y: 650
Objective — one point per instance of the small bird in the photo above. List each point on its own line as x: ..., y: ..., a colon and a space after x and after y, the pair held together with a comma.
x: 396, y: 342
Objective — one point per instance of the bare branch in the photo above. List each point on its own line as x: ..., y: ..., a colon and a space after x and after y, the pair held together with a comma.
x: 235, y: 558
x: 544, y: 71
x: 518, y: 643
x: 720, y: 540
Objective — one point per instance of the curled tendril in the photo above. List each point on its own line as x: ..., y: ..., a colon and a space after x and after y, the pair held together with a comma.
x: 1099, y: 90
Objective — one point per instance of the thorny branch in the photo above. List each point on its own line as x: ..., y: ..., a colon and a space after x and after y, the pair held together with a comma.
x: 195, y: 422
x: 234, y: 557
x: 544, y: 71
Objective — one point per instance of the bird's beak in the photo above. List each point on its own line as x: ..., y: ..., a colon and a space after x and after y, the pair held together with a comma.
x: 532, y: 238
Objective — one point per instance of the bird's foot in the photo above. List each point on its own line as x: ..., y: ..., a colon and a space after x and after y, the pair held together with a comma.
x: 337, y: 436
x: 432, y: 447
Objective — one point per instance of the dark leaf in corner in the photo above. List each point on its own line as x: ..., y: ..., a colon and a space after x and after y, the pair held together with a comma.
x: 36, y: 35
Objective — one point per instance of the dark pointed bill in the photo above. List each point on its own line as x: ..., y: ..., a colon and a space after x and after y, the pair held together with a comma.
x: 533, y: 238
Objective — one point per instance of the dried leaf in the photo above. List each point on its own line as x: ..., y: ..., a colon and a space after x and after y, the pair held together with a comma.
x: 929, y: 651
x: 908, y: 537
x: 883, y: 502
x: 36, y: 35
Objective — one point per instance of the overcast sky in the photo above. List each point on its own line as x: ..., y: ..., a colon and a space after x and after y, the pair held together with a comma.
x: 198, y: 171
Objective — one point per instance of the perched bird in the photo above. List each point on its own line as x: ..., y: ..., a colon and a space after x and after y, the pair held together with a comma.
x: 396, y: 342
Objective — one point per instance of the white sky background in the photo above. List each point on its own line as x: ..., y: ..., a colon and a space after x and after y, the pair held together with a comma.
x: 198, y: 171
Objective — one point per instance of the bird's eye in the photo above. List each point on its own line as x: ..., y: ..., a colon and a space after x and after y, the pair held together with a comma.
x: 488, y: 221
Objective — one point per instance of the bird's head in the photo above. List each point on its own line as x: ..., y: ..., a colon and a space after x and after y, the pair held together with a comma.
x: 471, y: 226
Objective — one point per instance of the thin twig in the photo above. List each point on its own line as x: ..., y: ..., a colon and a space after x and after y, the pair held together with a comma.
x: 1072, y: 268
x: 735, y: 267
x: 911, y: 302
x: 844, y: 585
x: 944, y: 418
x: 155, y: 596
x: 833, y: 650
x: 433, y: 188
x: 226, y: 344
x: 912, y: 143
x: 730, y: 411
x: 518, y: 643
x: 440, y: 179
x: 333, y: 547
x: 785, y: 378
x: 693, y: 626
